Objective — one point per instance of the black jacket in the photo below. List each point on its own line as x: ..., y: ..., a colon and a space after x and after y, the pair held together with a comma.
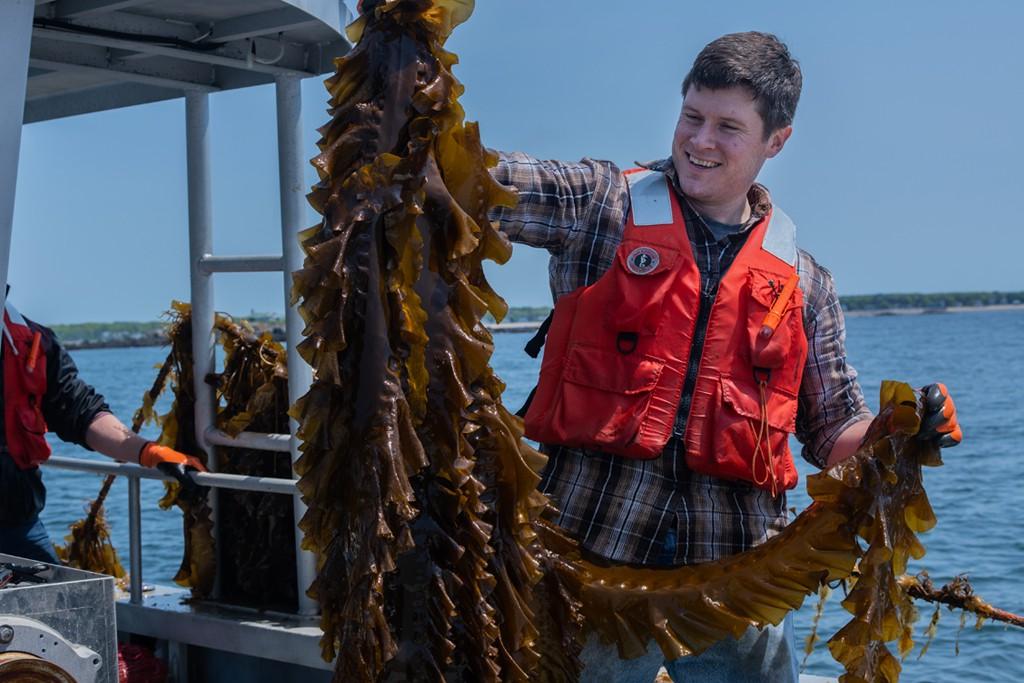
x: 69, y: 406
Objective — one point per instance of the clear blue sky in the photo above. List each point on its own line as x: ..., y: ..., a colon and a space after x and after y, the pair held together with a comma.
x: 901, y: 175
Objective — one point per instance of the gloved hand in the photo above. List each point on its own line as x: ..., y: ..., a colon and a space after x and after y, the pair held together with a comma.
x: 175, y: 464
x: 939, y: 422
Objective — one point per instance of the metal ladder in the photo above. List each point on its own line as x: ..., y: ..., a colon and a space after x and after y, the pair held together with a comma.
x: 202, y: 266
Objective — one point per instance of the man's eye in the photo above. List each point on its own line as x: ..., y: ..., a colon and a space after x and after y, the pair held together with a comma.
x: 692, y: 118
x: 729, y: 127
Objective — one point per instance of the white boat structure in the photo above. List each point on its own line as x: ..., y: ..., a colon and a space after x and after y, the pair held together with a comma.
x: 68, y: 57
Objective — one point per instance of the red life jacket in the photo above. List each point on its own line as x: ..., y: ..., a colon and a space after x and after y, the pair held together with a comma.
x: 24, y: 388
x: 617, y: 352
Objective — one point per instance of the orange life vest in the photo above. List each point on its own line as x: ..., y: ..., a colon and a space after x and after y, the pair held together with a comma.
x: 618, y: 351
x: 24, y: 367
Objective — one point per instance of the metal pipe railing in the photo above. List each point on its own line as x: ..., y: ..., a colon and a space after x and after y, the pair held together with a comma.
x: 216, y: 480
x: 254, y: 440
x: 200, y: 246
x: 241, y: 264
x: 135, y: 473
x: 291, y: 165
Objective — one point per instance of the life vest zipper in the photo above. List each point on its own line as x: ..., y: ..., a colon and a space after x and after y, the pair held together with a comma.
x: 707, y: 302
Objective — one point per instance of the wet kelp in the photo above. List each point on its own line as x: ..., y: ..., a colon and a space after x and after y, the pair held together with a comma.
x: 257, y: 545
x: 88, y: 540
x: 257, y: 552
x: 420, y: 489
x: 198, y: 567
x: 867, y: 512
x: 436, y: 559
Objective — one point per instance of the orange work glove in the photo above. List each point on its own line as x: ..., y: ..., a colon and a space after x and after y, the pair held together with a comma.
x: 153, y: 455
x: 939, y: 422
x: 175, y: 464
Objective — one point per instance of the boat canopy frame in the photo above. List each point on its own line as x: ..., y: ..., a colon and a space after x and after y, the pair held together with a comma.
x: 68, y: 57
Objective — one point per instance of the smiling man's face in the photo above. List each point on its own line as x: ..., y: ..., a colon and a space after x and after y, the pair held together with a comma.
x: 719, y: 148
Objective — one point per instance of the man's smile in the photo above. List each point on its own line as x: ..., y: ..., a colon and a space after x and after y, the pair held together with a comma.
x: 703, y: 163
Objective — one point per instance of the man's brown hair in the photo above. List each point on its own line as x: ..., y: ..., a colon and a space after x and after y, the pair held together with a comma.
x: 758, y: 61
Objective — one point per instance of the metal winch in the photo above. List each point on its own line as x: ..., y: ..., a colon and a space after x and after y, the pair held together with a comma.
x: 57, y: 624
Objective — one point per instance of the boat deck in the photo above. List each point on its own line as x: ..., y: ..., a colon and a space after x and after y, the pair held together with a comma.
x: 249, y: 645
x: 220, y: 642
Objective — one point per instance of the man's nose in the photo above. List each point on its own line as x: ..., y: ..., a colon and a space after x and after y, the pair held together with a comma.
x: 703, y: 138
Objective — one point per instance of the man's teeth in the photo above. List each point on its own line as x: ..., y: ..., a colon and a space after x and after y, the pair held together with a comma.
x: 702, y: 163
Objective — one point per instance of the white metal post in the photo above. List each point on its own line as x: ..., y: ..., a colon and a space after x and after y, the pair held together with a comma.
x: 135, y: 540
x: 15, y: 39
x: 300, y: 375
x: 200, y: 238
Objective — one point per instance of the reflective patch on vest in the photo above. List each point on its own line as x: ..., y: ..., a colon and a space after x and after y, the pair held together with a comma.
x: 15, y: 317
x: 780, y: 237
x: 650, y: 203
x: 642, y: 260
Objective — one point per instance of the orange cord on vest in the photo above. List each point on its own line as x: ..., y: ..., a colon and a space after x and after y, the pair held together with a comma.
x: 763, y: 455
x: 33, y: 353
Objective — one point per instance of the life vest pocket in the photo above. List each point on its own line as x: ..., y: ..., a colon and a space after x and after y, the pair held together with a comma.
x: 642, y: 278
x: 775, y: 352
x: 604, y: 398
x: 32, y: 419
x: 740, y: 438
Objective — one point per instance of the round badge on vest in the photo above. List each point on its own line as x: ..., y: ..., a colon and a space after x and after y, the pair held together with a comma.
x: 642, y: 260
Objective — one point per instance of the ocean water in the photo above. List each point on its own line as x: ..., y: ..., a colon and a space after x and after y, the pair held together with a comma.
x: 976, y: 494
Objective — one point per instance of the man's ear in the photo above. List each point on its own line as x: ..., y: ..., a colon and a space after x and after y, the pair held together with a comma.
x: 777, y: 140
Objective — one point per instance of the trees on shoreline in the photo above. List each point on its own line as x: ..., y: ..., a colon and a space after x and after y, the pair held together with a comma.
x: 940, y: 300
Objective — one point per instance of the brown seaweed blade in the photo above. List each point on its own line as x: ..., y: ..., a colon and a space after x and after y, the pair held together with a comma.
x: 88, y: 541
x: 199, y: 564
x: 875, y: 496
x: 425, y: 573
x: 256, y: 554
x: 257, y: 557
x: 891, y: 509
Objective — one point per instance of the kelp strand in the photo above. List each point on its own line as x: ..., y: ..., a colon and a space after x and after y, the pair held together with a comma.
x: 256, y: 557
x: 957, y: 594
x: 426, y: 572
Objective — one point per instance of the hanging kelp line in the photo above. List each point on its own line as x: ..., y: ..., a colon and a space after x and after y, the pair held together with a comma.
x: 256, y: 558
x: 177, y: 430
x: 436, y: 562
x: 256, y: 553
x: 421, y: 492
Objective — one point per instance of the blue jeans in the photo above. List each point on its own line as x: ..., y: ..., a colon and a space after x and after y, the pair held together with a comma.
x: 765, y: 655
x: 29, y: 540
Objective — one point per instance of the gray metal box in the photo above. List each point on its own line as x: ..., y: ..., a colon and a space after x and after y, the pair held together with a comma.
x: 79, y: 605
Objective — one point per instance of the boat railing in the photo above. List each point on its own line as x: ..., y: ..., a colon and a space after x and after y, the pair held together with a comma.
x: 135, y: 473
x: 203, y: 265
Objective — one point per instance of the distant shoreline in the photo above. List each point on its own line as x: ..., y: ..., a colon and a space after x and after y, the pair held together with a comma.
x: 534, y: 325
x: 869, y: 313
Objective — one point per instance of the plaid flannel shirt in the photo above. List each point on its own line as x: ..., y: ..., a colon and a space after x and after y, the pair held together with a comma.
x: 658, y: 512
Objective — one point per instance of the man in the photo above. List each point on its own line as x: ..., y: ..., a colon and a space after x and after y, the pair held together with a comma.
x: 41, y: 390
x: 690, y: 338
